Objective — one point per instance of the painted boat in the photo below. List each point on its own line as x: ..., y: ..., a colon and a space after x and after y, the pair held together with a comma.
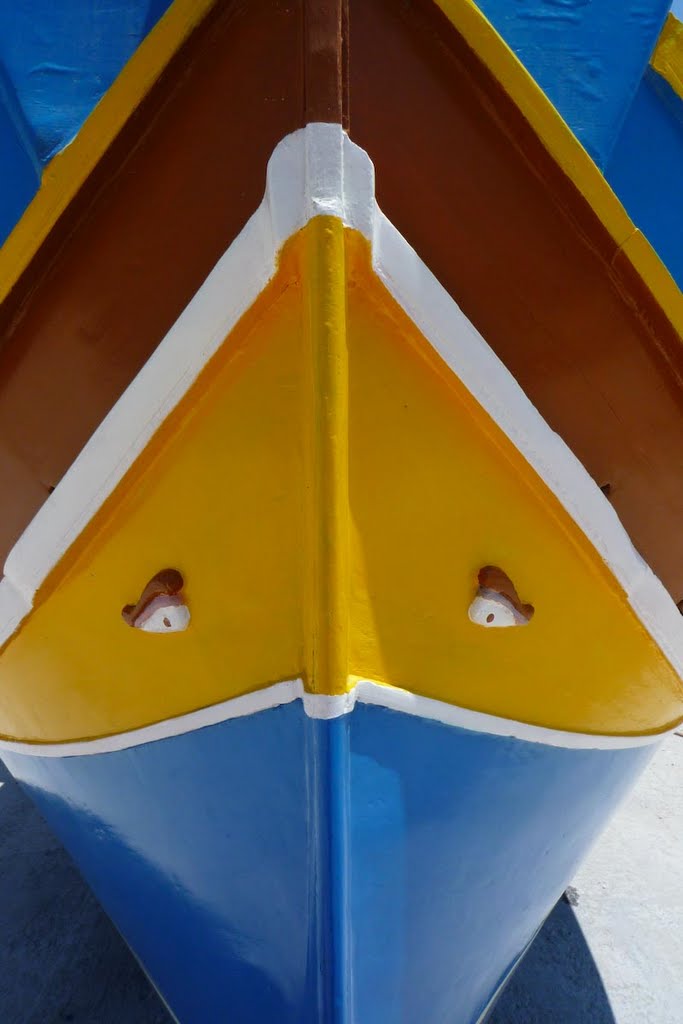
x: 328, y: 352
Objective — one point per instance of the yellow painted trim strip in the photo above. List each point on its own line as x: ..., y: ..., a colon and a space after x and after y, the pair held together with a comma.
x: 325, y: 284
x: 565, y: 148
x: 66, y: 173
x: 667, y: 60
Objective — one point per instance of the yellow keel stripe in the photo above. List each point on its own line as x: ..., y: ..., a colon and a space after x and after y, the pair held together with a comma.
x: 327, y: 368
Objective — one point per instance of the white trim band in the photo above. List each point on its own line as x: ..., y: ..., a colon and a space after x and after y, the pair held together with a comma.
x: 321, y: 706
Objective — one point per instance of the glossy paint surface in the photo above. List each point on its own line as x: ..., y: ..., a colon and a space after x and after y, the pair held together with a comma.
x: 587, y: 57
x: 244, y: 490
x: 460, y: 844
x: 645, y: 167
x: 376, y: 869
x: 199, y: 851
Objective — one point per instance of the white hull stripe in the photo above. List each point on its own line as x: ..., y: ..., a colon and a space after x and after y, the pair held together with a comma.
x: 318, y: 170
x: 320, y: 706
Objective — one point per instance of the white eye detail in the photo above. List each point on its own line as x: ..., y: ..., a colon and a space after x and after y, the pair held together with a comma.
x: 164, y: 614
x: 493, y: 611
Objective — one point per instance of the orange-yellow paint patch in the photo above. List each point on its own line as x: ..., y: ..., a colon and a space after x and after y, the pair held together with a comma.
x: 436, y: 492
x: 217, y: 495
x: 329, y: 472
x: 667, y: 59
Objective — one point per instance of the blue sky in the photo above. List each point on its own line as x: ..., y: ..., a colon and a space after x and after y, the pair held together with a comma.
x: 678, y: 8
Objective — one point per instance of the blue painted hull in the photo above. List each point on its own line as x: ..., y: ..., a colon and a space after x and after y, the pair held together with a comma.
x: 377, y: 868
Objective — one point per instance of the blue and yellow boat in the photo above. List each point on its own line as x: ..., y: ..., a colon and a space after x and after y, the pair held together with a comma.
x: 340, y: 452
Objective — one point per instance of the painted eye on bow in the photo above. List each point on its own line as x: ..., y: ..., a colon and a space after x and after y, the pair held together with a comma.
x: 497, y: 604
x: 161, y: 607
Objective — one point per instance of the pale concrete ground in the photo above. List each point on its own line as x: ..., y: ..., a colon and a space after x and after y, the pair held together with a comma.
x: 616, y: 957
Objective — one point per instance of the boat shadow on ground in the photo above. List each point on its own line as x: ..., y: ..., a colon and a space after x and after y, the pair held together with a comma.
x: 558, y: 979
x: 61, y: 960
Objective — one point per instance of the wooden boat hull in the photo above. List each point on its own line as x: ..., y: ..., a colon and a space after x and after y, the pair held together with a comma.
x: 377, y: 836
x: 253, y: 665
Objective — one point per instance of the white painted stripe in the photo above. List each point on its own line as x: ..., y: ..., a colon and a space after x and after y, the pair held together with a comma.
x: 369, y: 692
x: 320, y: 706
x: 238, y: 707
x: 313, y: 171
